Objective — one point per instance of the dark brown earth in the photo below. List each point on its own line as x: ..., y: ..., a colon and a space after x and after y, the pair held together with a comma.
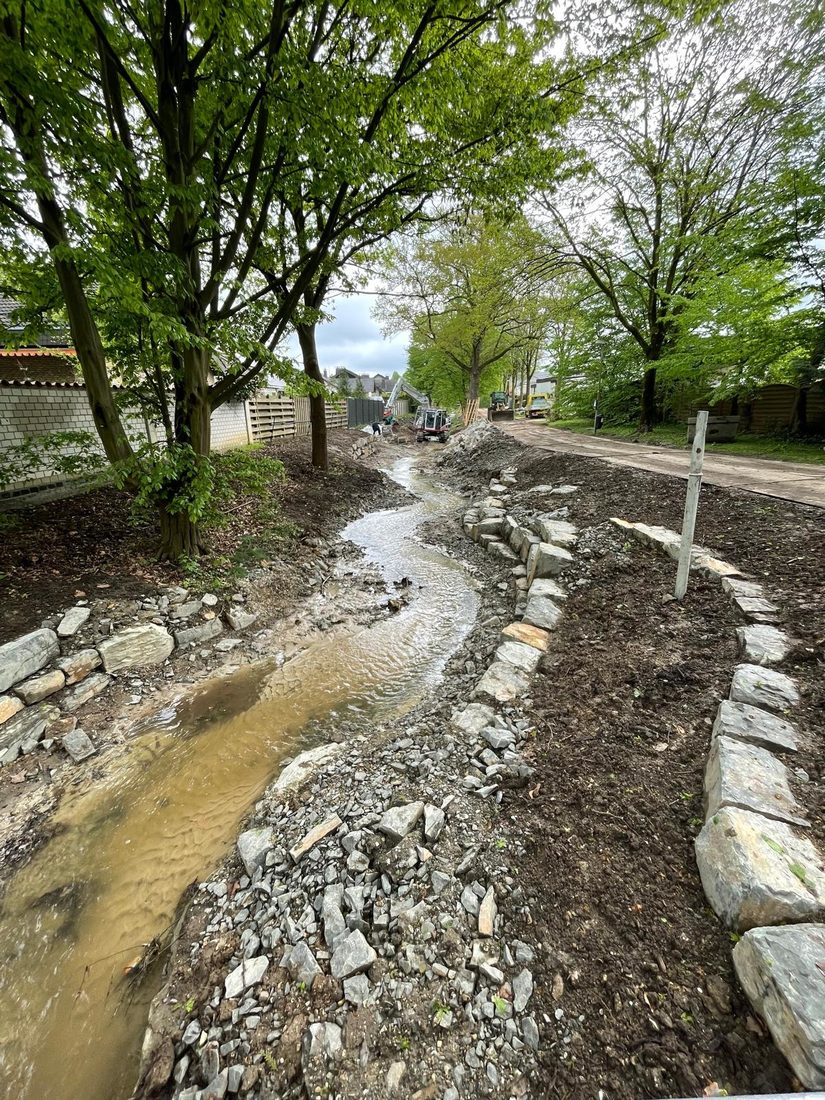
x: 95, y: 543
x: 623, y: 715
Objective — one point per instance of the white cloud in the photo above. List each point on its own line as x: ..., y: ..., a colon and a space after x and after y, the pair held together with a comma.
x: 353, y: 339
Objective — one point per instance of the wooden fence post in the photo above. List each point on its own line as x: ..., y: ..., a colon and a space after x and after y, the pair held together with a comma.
x: 697, y: 456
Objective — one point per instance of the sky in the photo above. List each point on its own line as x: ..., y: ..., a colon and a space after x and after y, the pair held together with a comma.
x: 354, y: 340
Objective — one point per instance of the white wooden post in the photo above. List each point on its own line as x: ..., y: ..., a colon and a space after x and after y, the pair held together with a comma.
x: 697, y: 456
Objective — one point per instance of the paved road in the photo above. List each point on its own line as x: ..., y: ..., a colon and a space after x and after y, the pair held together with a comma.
x: 786, y: 480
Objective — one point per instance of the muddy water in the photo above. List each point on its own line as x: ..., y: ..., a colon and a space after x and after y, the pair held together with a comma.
x: 74, y: 917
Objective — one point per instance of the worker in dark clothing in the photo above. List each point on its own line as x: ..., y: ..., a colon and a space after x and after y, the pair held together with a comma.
x: 376, y: 428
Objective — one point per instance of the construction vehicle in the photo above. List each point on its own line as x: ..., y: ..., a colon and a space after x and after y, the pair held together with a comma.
x: 500, y: 407
x: 432, y: 424
x: 402, y: 385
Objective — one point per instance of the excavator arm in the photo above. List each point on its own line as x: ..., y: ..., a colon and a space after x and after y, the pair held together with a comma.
x: 402, y: 386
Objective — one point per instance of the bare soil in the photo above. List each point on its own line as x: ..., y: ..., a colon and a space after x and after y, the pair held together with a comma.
x: 96, y: 544
x: 635, y: 976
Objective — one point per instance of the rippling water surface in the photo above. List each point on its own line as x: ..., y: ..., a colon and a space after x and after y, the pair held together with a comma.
x: 81, y: 910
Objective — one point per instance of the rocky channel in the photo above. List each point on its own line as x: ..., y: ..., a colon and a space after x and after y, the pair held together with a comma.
x: 364, y: 943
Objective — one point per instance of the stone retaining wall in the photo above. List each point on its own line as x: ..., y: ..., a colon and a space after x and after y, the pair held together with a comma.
x: 50, y: 673
x: 761, y: 871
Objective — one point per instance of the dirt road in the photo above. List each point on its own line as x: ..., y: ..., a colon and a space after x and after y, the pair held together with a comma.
x: 786, y: 480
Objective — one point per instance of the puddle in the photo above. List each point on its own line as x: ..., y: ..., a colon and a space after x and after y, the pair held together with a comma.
x: 82, y: 909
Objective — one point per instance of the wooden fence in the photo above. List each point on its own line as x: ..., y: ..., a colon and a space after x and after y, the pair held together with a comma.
x: 273, y: 416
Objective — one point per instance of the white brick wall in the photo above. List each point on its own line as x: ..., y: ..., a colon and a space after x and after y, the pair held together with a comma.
x: 34, y: 410
x: 27, y: 411
x: 229, y: 427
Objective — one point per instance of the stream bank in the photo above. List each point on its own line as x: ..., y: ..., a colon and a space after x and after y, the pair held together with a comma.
x: 75, y: 916
x: 87, y: 556
x: 549, y: 935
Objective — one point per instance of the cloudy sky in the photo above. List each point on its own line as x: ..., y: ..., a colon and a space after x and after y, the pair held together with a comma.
x: 354, y: 340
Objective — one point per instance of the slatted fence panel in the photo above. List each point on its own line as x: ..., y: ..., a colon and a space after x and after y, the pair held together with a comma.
x: 273, y: 416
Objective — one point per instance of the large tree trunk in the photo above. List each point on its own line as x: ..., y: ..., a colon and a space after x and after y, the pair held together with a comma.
x: 650, y: 414
x: 26, y: 127
x: 471, y: 404
x: 179, y: 536
x: 317, y: 405
x: 193, y: 411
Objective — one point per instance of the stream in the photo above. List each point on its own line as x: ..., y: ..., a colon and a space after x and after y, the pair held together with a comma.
x: 109, y: 881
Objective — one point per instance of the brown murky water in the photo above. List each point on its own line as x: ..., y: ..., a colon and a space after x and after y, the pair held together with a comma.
x: 84, y: 906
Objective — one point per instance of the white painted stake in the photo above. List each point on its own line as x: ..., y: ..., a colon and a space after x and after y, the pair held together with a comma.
x: 697, y: 457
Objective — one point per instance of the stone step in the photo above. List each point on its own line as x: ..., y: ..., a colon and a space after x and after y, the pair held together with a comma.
x: 757, y: 871
x: 782, y: 970
x: 763, y: 687
x: 747, y: 723
x: 750, y: 778
x: 762, y: 644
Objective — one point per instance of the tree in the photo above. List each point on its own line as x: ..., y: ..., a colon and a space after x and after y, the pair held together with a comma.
x: 474, y: 109
x: 680, y: 142
x: 793, y: 221
x: 444, y: 383
x: 157, y: 162
x: 470, y: 293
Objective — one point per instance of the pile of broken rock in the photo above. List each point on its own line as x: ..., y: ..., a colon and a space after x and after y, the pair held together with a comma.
x: 50, y: 673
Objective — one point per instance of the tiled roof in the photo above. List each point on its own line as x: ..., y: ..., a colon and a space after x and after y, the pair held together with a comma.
x: 42, y: 352
x: 36, y: 366
x: 51, y: 338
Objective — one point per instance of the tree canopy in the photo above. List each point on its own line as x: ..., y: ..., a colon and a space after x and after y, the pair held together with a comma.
x: 187, y: 180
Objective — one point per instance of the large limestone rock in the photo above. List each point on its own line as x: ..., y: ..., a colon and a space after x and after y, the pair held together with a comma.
x: 762, y: 644
x: 136, y: 647
x: 738, y: 586
x: 27, y: 727
x: 78, y: 745
x: 473, y: 718
x: 352, y: 955
x: 86, y: 690
x: 542, y: 612
x: 239, y: 619
x: 72, y: 621
x: 547, y: 560
x: 750, y: 778
x: 502, y: 549
x: 781, y: 970
x: 40, y: 687
x: 763, y: 687
x: 527, y: 545
x: 546, y: 586
x: 253, y: 844
x: 756, y: 609
x: 25, y: 656
x: 203, y: 632
x: 398, y: 821
x: 559, y: 532
x: 525, y: 657
x: 78, y: 666
x: 9, y: 706
x: 250, y: 972
x: 489, y: 526
x: 503, y: 682
x: 526, y: 634
x: 304, y: 766
x: 756, y: 871
x: 760, y: 727
x: 515, y: 536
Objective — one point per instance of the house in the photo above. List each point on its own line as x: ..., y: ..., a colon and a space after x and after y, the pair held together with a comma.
x: 46, y: 359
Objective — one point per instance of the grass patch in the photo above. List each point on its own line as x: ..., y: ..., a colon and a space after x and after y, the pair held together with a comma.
x: 675, y: 435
